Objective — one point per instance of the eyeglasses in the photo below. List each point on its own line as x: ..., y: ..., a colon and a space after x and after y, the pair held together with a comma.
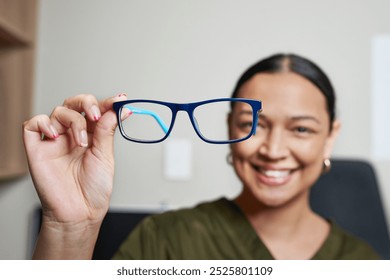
x: 151, y: 121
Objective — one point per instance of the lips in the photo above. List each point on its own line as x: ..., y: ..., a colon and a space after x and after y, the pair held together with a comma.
x: 274, y: 177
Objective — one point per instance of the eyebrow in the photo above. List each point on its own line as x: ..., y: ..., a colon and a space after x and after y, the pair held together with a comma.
x: 245, y: 112
x: 295, y: 118
x: 298, y: 118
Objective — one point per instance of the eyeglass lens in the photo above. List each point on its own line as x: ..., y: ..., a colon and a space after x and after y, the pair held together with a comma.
x: 147, y: 121
x: 151, y: 121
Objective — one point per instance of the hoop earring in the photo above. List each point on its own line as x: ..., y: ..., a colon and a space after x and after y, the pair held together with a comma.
x: 229, y: 158
x: 327, y: 166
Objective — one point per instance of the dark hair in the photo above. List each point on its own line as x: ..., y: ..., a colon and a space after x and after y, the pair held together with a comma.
x: 299, y: 65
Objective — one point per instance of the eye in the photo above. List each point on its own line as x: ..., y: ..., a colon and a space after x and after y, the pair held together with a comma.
x: 245, y: 125
x: 261, y: 124
x: 302, y: 130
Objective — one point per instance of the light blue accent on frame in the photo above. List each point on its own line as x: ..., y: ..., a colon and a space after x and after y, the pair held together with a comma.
x: 140, y: 111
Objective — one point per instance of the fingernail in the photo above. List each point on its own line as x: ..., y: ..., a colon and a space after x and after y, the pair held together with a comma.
x: 83, y: 138
x: 54, y: 132
x: 95, y: 113
x: 121, y: 94
x: 126, y: 113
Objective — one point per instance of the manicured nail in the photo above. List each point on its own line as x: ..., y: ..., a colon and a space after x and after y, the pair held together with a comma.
x: 83, y: 138
x: 126, y: 113
x: 95, y: 113
x: 54, y: 132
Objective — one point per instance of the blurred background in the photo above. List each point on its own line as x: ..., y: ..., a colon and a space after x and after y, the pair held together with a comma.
x: 190, y: 50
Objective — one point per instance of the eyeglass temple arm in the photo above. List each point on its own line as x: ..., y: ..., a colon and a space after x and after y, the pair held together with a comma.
x: 257, y: 118
x: 140, y: 111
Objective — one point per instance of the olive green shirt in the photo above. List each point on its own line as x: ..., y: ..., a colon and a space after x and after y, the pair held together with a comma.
x: 219, y: 230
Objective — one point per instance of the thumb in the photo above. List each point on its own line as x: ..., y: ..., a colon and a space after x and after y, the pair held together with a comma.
x: 103, y: 135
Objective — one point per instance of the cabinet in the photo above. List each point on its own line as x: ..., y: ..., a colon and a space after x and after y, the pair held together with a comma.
x: 17, y: 53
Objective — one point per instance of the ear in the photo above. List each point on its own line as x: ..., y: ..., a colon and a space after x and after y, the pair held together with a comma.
x: 331, y: 139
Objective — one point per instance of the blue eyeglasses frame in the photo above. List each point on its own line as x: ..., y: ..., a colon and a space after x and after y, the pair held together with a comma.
x: 189, y: 108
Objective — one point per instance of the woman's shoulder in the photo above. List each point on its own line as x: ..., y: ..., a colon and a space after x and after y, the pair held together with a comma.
x: 342, y: 245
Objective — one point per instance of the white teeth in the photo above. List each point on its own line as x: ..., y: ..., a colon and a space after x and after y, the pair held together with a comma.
x: 275, y: 173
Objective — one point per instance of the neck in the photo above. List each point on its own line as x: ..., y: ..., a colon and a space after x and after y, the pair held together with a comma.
x: 278, y: 220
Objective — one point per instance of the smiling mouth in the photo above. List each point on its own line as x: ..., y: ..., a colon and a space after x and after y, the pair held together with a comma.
x: 274, y: 176
x: 275, y: 173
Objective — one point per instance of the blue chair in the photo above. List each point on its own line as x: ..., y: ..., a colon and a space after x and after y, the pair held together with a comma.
x: 115, y: 228
x: 349, y: 195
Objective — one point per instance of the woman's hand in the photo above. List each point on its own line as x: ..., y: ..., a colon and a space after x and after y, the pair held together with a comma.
x: 71, y: 160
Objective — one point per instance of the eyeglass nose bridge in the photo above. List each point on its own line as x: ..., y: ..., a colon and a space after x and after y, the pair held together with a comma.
x: 189, y: 109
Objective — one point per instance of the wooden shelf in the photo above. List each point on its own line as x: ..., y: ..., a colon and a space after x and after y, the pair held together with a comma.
x: 17, y: 52
x: 12, y: 36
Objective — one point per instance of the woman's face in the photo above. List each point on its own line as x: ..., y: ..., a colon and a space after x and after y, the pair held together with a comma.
x: 292, y: 139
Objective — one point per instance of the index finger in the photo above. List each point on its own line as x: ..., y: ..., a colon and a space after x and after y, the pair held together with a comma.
x: 106, y: 104
x: 93, y: 108
x: 84, y: 103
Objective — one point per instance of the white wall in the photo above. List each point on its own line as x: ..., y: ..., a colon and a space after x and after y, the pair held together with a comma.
x: 177, y: 50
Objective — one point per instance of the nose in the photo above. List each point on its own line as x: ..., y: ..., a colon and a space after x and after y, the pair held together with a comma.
x: 274, y: 145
